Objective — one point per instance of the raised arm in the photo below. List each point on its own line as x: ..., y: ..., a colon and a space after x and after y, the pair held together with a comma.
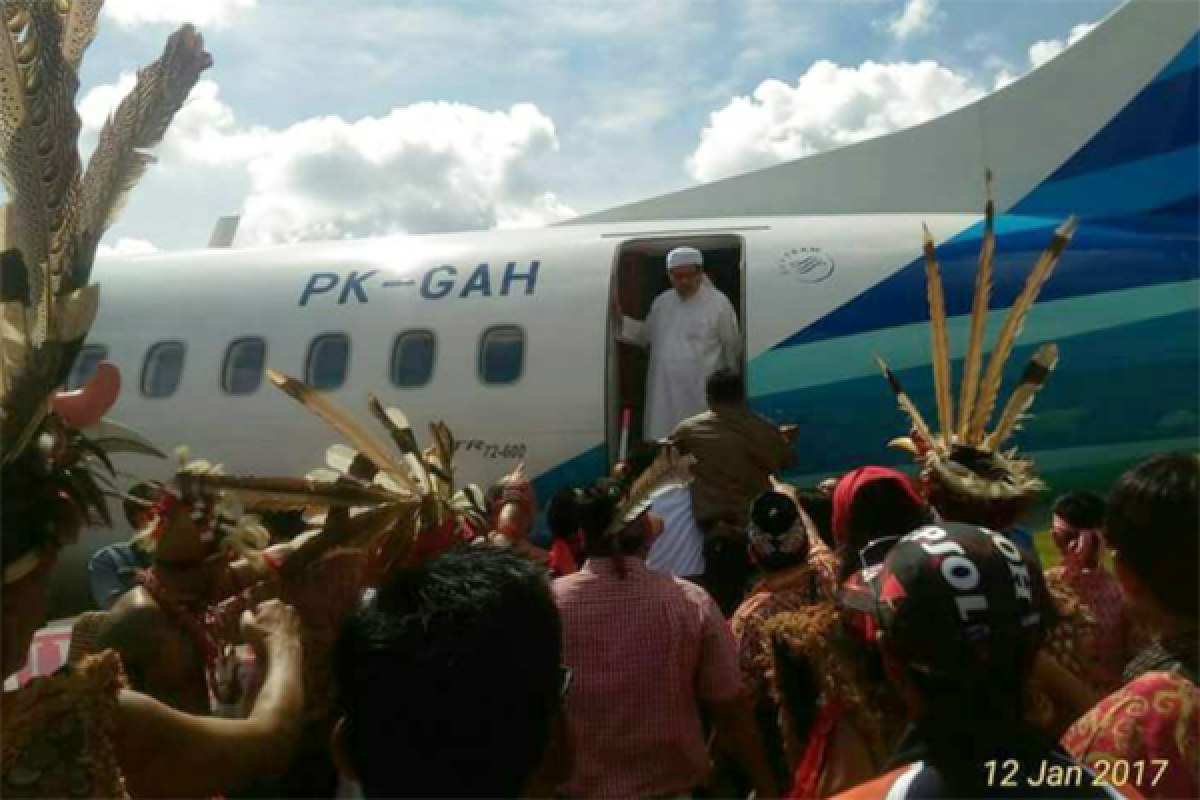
x: 167, y: 753
x: 630, y: 330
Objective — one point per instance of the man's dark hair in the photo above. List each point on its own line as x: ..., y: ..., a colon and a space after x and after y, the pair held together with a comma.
x: 724, y: 388
x: 1152, y: 524
x: 560, y: 515
x: 449, y: 678
x: 1081, y: 510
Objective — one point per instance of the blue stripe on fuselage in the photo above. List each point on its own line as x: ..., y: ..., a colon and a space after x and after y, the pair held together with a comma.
x: 1100, y: 259
x: 1171, y: 105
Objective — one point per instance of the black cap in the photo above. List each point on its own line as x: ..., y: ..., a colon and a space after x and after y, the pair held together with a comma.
x: 949, y: 595
x: 773, y: 513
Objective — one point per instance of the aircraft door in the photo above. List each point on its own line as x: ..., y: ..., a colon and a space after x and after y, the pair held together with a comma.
x: 639, y: 276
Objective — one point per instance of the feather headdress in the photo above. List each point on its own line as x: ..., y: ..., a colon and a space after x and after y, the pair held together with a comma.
x: 56, y: 214
x: 373, y: 485
x: 50, y: 229
x: 962, y: 453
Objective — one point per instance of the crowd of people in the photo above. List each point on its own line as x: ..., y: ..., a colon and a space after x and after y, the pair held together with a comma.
x: 696, y: 627
x: 916, y: 657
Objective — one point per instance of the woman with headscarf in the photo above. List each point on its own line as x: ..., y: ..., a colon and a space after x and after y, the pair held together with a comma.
x: 872, y: 508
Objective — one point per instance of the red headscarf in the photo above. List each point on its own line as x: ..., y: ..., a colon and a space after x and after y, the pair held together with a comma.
x: 848, y: 487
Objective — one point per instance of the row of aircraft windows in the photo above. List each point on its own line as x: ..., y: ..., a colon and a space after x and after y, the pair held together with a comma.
x: 501, y: 361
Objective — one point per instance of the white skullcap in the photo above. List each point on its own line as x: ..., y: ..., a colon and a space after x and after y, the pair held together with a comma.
x: 684, y: 257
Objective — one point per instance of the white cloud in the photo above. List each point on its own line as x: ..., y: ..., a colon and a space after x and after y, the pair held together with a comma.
x: 211, y: 13
x: 1043, y: 51
x: 830, y: 106
x: 1003, y: 78
x: 918, y: 17
x: 422, y: 168
x: 127, y: 246
x: 101, y: 101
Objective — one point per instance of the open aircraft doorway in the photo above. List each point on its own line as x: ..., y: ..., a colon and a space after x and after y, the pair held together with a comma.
x: 639, y: 276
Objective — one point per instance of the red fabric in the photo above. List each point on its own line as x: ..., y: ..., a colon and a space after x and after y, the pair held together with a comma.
x: 274, y: 561
x: 647, y: 651
x: 562, y: 558
x: 807, y: 779
x: 1156, y: 716
x: 848, y: 487
x: 1112, y: 643
x: 434, y: 542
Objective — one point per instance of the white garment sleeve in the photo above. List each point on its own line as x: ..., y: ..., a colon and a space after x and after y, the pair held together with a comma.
x: 635, y: 332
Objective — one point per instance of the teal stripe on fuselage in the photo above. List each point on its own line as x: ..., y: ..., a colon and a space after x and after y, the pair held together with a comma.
x: 849, y: 357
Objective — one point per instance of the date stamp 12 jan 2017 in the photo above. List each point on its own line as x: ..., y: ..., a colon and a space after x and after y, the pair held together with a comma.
x: 1011, y: 773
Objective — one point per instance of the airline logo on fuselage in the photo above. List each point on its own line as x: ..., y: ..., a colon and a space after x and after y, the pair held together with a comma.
x: 438, y: 283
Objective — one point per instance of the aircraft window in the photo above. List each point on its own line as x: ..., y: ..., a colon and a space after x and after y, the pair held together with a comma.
x: 244, y: 363
x: 328, y: 361
x: 86, y: 363
x: 163, y: 369
x: 501, y: 355
x: 412, y: 359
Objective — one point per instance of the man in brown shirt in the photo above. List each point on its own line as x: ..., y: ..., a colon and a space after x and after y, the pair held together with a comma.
x: 737, y: 452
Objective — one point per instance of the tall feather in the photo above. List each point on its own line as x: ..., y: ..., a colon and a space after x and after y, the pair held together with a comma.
x: 941, y: 340
x: 344, y: 424
x: 443, y: 440
x: 1040, y: 366
x: 402, y: 435
x: 443, y: 456
x: 973, y: 364
x: 139, y: 123
x: 38, y: 131
x: 284, y: 494
x: 349, y: 461
x: 32, y: 359
x: 907, y: 406
x: 669, y: 470
x: 1013, y: 323
x: 78, y: 19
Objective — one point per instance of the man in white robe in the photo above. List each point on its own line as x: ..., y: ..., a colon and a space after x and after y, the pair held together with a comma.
x: 692, y: 332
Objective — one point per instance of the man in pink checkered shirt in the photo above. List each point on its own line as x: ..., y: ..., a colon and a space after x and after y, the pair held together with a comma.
x: 648, y: 652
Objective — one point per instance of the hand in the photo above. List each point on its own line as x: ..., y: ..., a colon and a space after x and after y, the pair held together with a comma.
x: 271, y: 628
x: 790, y: 432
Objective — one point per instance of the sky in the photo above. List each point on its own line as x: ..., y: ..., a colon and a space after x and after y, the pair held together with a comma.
x: 325, y: 120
